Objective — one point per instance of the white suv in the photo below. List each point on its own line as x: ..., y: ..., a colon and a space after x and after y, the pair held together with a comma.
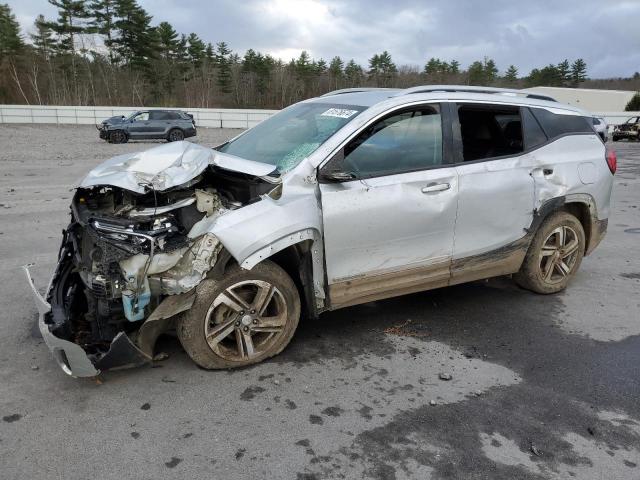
x: 354, y: 196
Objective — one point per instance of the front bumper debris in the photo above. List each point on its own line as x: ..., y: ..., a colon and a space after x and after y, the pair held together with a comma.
x: 72, y: 358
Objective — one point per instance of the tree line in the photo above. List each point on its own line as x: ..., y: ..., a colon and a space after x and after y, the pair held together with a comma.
x: 109, y: 52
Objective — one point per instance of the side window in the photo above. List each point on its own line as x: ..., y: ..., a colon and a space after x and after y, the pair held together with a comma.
x: 157, y: 115
x: 556, y: 125
x: 173, y: 116
x: 533, y: 133
x: 141, y: 117
x: 402, y: 142
x: 489, y: 131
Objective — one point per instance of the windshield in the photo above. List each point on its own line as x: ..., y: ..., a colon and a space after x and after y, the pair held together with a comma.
x: 291, y: 135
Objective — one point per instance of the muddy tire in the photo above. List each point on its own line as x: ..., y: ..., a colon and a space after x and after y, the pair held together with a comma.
x: 241, y: 319
x: 175, y: 135
x: 118, y: 136
x: 554, y: 255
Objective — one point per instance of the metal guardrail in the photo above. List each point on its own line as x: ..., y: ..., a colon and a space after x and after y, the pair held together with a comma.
x: 70, y: 115
x: 204, y: 117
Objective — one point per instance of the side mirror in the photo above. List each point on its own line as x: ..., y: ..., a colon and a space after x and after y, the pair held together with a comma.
x: 338, y: 176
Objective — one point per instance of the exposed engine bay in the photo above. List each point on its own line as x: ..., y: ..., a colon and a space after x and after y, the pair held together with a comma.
x: 126, y: 252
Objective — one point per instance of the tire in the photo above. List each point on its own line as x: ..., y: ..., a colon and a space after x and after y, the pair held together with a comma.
x: 559, y: 240
x: 228, y: 311
x: 118, y: 136
x: 175, y: 135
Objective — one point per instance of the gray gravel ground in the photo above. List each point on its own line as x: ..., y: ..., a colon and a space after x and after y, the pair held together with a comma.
x: 543, y: 387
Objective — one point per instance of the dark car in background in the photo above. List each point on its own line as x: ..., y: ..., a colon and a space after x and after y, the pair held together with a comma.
x: 170, y: 125
x: 629, y: 130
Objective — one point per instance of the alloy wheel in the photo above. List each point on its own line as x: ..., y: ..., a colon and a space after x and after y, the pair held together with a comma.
x: 176, y: 135
x: 559, y: 254
x: 245, y: 320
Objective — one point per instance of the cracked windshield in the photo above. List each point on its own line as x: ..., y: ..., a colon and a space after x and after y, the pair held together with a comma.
x: 285, y: 139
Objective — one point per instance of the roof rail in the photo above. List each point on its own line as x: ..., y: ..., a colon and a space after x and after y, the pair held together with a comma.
x: 473, y: 89
x: 354, y: 90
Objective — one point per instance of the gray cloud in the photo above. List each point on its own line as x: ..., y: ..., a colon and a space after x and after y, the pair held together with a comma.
x: 520, y: 32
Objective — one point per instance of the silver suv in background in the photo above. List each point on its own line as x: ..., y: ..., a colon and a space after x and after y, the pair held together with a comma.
x: 601, y: 128
x: 355, y: 196
x: 170, y: 125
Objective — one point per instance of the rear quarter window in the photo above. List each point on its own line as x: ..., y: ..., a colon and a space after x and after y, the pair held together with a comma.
x: 555, y: 125
x: 533, y: 133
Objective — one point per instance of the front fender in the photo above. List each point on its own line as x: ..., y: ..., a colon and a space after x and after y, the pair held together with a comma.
x: 259, y: 230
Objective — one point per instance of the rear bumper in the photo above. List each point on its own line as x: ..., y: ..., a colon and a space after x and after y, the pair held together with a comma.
x: 71, y: 357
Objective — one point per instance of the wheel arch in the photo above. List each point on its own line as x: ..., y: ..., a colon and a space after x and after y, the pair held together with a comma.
x: 173, y: 129
x: 300, y: 254
x: 121, y: 130
x: 583, y: 207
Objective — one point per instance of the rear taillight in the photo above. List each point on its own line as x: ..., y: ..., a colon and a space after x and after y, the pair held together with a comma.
x: 612, y: 160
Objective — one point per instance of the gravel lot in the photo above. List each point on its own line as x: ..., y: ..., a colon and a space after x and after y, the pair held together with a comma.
x: 543, y: 387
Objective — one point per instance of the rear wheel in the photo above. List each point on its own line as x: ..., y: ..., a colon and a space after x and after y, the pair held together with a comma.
x: 244, y: 318
x: 554, y: 255
x: 175, y: 135
x: 117, y: 136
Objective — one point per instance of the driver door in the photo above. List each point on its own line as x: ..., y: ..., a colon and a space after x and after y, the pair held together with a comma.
x: 389, y: 203
x: 140, y: 125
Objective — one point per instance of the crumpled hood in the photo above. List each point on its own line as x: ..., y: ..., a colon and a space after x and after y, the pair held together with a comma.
x: 167, y: 166
x: 113, y: 120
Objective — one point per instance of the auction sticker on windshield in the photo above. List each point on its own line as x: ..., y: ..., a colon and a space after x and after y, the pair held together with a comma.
x: 339, y: 112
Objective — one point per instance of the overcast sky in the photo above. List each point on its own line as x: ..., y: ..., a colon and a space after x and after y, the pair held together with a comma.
x: 527, y: 33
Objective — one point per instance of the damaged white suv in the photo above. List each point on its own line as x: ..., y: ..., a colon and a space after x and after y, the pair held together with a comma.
x: 354, y: 196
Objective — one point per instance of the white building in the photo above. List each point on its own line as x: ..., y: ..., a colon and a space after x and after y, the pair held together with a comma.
x: 605, y: 103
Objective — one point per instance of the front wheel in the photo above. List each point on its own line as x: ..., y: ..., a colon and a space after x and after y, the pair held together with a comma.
x: 554, y: 255
x: 244, y: 318
x: 117, y: 136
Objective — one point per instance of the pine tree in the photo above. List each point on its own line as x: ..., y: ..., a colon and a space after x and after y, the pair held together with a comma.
x: 564, y: 72
x: 196, y: 50
x: 209, y: 53
x: 11, y: 43
x: 320, y: 67
x: 223, y: 62
x: 490, y: 71
x: 336, y: 67
x: 136, y: 42
x: 302, y: 65
x: 353, y: 73
x: 382, y: 68
x: 454, y: 67
x: 168, y: 43
x: 578, y: 72
x: 511, y: 75
x: 432, y: 67
x: 634, y: 104
x: 72, y: 15
x: 102, y: 14
x: 475, y: 74
x: 43, y: 39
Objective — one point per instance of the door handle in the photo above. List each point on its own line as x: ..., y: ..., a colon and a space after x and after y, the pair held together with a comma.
x: 436, y: 187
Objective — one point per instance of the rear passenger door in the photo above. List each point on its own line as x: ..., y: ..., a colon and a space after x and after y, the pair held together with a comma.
x: 496, y: 190
x: 158, y: 123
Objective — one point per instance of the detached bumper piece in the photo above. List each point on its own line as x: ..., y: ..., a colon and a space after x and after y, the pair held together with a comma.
x: 64, y: 334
